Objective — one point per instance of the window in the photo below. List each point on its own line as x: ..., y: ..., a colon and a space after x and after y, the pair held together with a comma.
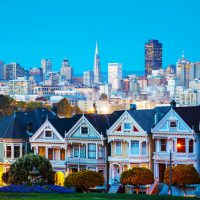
x: 62, y: 154
x: 8, y: 151
x: 127, y: 126
x: 172, y: 124
x: 41, y: 151
x: 135, y: 147
x: 180, y: 145
x: 100, y: 171
x: 83, y: 151
x: 163, y: 143
x: 16, y: 151
x: 48, y: 134
x: 118, y: 147
x: 92, y: 151
x: 50, y: 154
x: 191, y: 146
x: 100, y: 152
x: 23, y: 149
x: 76, y: 150
x: 144, y: 149
x: 84, y: 130
x: 92, y: 168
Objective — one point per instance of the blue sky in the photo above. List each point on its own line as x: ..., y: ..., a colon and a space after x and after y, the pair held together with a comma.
x: 36, y: 29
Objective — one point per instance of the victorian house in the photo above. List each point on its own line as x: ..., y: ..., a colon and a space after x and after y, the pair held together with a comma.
x: 131, y: 140
x: 177, y: 133
x: 73, y: 144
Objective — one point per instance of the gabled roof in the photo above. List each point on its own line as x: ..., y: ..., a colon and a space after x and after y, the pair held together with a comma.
x: 15, y: 127
x: 191, y: 116
x: 146, y: 118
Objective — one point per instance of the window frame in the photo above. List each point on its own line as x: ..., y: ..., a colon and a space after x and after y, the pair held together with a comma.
x: 127, y: 129
x: 171, y: 122
x: 82, y: 127
x: 45, y: 131
x: 138, y: 149
x: 161, y: 145
x: 16, y: 145
x: 118, y: 142
x: 9, y: 145
x: 89, y: 150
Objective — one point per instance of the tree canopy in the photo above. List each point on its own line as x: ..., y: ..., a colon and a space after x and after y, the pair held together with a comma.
x: 19, y: 171
x: 182, y: 176
x: 83, y: 180
x: 6, y: 105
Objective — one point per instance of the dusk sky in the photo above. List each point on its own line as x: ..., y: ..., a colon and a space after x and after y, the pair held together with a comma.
x: 36, y: 29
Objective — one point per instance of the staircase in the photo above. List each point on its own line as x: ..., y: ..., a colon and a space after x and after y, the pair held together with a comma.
x: 113, y: 188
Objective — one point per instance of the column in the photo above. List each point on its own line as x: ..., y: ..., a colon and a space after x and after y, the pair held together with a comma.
x: 187, y: 145
x: 96, y: 151
x: 59, y: 153
x: 20, y: 150
x: 12, y: 151
x: 46, y: 152
x: 86, y: 149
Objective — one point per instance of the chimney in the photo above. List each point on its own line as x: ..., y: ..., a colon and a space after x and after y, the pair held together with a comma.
x: 133, y: 106
x: 156, y: 118
x: 173, y: 104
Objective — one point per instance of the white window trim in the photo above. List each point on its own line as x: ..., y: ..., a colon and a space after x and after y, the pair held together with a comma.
x: 45, y: 134
x: 116, y: 148
x: 127, y: 130
x: 12, y: 152
x: 84, y: 133
x: 78, y: 151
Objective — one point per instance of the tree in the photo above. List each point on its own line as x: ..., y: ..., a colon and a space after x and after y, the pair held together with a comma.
x: 19, y: 171
x: 77, y: 110
x: 182, y: 176
x: 6, y: 105
x: 83, y: 180
x: 103, y: 96
x: 137, y: 176
x: 64, y: 109
x: 33, y: 105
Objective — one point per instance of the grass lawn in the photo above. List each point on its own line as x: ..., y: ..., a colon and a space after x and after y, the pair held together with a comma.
x: 84, y: 196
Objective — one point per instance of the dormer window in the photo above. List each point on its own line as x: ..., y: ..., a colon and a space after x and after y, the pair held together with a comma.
x: 84, y: 130
x: 127, y: 126
x: 173, y: 124
x: 48, y: 134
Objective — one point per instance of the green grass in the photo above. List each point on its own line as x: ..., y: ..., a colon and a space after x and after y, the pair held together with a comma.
x: 85, y: 196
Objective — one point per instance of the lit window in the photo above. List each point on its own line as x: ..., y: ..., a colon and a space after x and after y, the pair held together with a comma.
x: 84, y: 130
x: 127, y: 126
x: 48, y: 134
x: 50, y: 154
x: 181, y: 145
x: 118, y: 147
x: 173, y: 124
x: 62, y: 154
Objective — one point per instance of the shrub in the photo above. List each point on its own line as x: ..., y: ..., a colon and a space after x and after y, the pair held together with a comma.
x: 182, y: 176
x: 83, y: 180
x: 137, y: 177
x: 19, y: 172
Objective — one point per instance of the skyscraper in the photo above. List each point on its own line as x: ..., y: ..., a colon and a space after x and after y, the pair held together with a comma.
x: 97, y: 67
x: 66, y: 71
x: 88, y: 78
x: 153, y: 56
x: 46, y: 65
x: 115, y: 75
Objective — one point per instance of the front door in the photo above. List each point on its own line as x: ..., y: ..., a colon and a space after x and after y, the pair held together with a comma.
x: 162, y: 168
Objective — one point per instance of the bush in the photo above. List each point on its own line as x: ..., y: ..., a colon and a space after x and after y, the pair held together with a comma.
x: 83, y: 180
x: 137, y: 177
x: 182, y: 176
x: 19, y: 172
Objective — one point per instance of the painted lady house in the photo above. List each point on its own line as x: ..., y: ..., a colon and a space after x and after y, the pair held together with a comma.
x: 74, y: 144
x: 131, y: 141
x: 178, y: 132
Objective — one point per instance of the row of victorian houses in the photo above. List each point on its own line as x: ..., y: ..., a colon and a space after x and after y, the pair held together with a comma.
x: 109, y: 144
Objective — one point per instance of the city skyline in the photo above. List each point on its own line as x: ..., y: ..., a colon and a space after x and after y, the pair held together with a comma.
x: 72, y: 27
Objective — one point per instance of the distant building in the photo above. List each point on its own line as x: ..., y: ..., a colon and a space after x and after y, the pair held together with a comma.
x: 153, y: 56
x: 13, y: 70
x: 46, y: 65
x: 88, y: 78
x: 97, y: 67
x: 36, y: 74
x: 115, y: 75
x: 20, y: 86
x: 2, y: 70
x: 66, y: 71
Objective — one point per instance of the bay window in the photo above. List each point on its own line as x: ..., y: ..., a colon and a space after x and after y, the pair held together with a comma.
x: 92, y: 151
x: 135, y: 147
x: 118, y: 146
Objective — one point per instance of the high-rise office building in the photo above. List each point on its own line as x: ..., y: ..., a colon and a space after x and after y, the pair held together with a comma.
x: 97, y: 67
x: 66, y: 71
x: 46, y: 66
x: 2, y: 70
x: 88, y: 78
x: 115, y: 75
x: 36, y: 74
x: 153, y: 56
x: 13, y: 70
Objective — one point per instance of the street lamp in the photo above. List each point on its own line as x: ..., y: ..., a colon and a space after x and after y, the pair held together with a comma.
x: 170, y: 168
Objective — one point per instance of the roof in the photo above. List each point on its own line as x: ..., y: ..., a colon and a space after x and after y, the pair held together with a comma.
x: 15, y: 127
x: 191, y: 116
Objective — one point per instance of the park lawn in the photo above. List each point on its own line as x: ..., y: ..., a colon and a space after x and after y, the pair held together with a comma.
x: 84, y: 196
